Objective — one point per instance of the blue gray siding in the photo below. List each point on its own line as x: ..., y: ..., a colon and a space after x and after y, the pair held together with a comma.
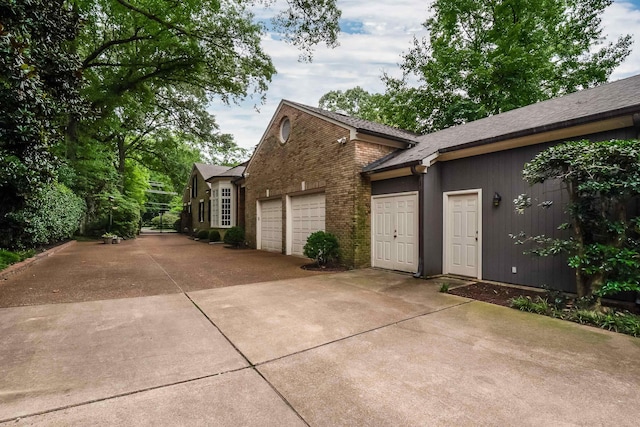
x: 501, y: 172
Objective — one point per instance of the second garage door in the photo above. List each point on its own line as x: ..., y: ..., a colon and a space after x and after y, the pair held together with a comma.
x: 395, y: 232
x: 270, y: 225
x: 307, y: 216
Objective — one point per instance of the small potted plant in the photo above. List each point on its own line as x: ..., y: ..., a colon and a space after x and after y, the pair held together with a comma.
x: 108, y: 238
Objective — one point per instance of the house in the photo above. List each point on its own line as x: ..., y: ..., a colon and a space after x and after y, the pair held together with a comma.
x: 306, y: 175
x: 213, y: 200
x: 467, y: 176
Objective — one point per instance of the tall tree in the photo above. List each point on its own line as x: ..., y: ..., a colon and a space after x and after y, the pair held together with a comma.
x: 487, y: 57
x: 39, y: 84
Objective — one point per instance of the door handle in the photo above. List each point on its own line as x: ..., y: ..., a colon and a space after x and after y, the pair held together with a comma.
x: 476, y: 235
x: 395, y: 234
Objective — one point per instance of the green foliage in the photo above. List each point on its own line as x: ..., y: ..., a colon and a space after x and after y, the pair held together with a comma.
x: 8, y: 257
x: 214, y: 236
x: 322, y: 247
x: 126, y: 217
x: 356, y: 102
x: 234, y: 237
x: 39, y: 81
x: 483, y: 58
x: 168, y: 220
x: 537, y: 305
x: 176, y: 225
x: 601, y: 178
x: 203, y: 234
x: 51, y: 214
x: 444, y: 288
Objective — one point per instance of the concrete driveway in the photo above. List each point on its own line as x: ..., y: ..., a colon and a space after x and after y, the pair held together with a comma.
x: 364, y: 347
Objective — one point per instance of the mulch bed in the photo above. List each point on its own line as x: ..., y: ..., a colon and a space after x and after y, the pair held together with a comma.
x: 495, y: 294
x: 502, y: 295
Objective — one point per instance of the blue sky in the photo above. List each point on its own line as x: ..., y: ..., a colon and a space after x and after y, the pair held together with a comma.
x: 374, y: 35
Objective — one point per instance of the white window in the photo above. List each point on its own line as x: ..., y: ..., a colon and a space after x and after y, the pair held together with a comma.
x: 222, y: 205
x: 215, y: 214
x: 225, y: 205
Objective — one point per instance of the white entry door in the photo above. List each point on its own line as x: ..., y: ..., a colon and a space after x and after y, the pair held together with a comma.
x: 270, y: 225
x: 307, y: 216
x: 462, y: 234
x: 395, y: 232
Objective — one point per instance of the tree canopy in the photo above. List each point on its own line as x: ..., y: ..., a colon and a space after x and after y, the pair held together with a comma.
x: 98, y: 94
x: 485, y: 57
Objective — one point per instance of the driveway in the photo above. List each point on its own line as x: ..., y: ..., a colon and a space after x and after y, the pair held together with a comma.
x: 153, y: 264
x: 364, y: 347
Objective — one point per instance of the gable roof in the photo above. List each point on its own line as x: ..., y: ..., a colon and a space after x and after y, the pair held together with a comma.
x: 231, y: 172
x: 361, y: 125
x: 606, y: 101
x: 207, y: 171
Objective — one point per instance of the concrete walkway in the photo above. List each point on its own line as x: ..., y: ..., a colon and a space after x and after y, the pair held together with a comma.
x: 364, y: 347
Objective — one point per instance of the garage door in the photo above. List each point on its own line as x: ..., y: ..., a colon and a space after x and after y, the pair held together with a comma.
x: 307, y: 216
x: 270, y: 225
x: 395, y: 232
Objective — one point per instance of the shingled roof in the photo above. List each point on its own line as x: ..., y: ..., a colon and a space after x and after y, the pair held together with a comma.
x: 609, y: 100
x: 207, y: 171
x: 361, y: 125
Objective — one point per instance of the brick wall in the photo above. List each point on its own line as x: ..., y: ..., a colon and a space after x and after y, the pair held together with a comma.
x: 312, y: 155
x: 191, y: 221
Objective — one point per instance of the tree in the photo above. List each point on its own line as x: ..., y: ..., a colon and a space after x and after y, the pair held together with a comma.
x: 601, y: 179
x: 39, y: 83
x: 152, y: 66
x: 487, y: 57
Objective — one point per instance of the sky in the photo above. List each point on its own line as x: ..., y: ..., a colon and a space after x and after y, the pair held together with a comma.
x: 374, y: 35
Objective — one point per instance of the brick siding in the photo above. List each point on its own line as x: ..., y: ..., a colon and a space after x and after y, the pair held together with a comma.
x: 312, y: 155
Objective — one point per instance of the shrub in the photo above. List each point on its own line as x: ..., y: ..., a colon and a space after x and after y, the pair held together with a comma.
x: 176, y: 224
x: 539, y: 305
x: 203, y: 234
x: 322, y: 247
x: 214, y: 236
x: 168, y: 220
x: 444, y: 288
x: 51, y: 215
x: 234, y: 236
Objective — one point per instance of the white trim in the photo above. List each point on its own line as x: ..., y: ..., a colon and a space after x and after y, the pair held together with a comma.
x: 258, y: 225
x: 373, y: 222
x: 288, y: 226
x: 445, y: 206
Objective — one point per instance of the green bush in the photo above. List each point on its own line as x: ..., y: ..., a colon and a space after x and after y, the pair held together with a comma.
x: 234, y: 237
x: 176, y: 224
x: 51, y: 215
x: 322, y: 247
x: 168, y: 220
x: 203, y: 234
x: 214, y: 236
x: 539, y: 305
x: 126, y: 218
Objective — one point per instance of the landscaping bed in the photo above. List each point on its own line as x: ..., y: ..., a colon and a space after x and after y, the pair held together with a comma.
x: 555, y: 304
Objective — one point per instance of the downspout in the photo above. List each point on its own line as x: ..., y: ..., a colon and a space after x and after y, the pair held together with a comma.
x: 420, y: 175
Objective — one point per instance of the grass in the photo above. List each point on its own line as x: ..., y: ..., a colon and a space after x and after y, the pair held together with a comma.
x: 8, y: 257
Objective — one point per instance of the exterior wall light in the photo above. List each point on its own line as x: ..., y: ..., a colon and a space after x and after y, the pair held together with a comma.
x: 496, y: 199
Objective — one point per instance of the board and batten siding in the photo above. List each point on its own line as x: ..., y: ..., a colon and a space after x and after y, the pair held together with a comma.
x: 501, y: 172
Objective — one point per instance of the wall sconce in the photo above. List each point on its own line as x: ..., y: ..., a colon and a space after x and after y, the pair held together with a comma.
x: 496, y: 199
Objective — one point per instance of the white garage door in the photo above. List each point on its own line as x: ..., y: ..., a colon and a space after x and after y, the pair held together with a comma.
x: 307, y: 216
x: 270, y: 225
x: 395, y: 232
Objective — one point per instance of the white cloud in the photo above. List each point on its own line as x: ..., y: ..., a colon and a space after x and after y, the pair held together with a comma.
x: 361, y: 59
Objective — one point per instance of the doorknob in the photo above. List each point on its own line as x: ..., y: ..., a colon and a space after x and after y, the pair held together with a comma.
x: 395, y: 234
x: 476, y: 235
